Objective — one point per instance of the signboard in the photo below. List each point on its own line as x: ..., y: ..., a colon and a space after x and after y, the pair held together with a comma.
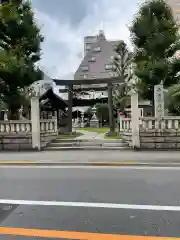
x: 159, y: 100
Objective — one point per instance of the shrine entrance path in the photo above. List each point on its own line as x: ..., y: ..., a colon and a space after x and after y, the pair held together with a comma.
x: 87, y: 135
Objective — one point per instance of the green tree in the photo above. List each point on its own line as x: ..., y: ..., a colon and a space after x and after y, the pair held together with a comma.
x: 89, y: 113
x: 102, y: 112
x: 172, y: 99
x: 122, y: 67
x: 20, y: 41
x: 154, y: 34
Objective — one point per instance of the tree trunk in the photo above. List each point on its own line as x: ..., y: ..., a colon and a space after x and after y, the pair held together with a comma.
x: 153, y: 103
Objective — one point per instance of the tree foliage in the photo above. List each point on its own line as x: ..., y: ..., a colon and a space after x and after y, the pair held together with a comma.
x: 20, y: 41
x: 172, y: 99
x: 154, y: 34
x: 102, y: 112
x: 122, y: 67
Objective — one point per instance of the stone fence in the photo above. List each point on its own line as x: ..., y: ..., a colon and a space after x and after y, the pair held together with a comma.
x: 17, y: 135
x: 161, y: 133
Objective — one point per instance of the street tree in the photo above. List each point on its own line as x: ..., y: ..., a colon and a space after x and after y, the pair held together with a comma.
x: 154, y: 34
x: 172, y: 99
x: 20, y: 41
x: 122, y: 67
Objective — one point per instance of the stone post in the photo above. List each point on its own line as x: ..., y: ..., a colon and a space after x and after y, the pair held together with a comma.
x: 135, y: 120
x: 35, y: 121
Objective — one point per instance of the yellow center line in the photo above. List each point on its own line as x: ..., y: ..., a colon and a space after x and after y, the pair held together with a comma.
x: 74, y: 235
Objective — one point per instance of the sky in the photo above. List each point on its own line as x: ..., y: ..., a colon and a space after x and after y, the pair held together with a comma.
x: 64, y: 24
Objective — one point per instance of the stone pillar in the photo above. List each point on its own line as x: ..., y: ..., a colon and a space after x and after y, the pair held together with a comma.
x: 82, y: 119
x: 110, y: 107
x: 35, y: 121
x: 70, y: 103
x: 159, y: 100
x: 135, y: 121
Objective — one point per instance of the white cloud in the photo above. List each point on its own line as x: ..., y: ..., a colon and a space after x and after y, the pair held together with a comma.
x: 63, y: 45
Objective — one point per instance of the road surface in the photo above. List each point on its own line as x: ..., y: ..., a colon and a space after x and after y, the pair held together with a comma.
x: 76, y: 156
x: 89, y: 202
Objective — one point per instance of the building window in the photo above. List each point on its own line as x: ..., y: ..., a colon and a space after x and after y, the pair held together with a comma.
x: 84, y: 68
x: 108, y: 66
x: 97, y: 49
x: 92, y: 59
x: 88, y: 47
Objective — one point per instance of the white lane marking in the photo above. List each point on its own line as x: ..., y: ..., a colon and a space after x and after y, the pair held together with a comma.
x: 96, y: 167
x: 91, y: 205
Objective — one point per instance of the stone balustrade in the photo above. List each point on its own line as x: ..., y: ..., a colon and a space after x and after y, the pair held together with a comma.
x: 25, y: 126
x: 17, y: 134
x: 48, y: 126
x: 163, y: 123
x: 160, y: 133
x: 125, y: 128
x: 125, y: 124
x: 15, y: 127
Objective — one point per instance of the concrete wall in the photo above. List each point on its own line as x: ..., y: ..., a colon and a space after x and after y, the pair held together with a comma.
x: 167, y: 139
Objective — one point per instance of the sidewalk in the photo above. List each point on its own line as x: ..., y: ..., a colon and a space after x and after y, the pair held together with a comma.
x: 91, y: 157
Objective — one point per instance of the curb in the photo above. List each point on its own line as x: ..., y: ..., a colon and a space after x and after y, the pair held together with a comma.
x: 113, y: 164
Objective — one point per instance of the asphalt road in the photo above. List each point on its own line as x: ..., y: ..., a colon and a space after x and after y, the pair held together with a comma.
x: 74, y: 202
x: 76, y: 156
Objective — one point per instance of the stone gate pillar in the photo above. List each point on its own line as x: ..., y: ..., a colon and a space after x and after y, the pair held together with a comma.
x: 35, y: 119
x: 135, y: 120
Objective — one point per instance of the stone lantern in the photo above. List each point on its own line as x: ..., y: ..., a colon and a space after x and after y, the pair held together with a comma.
x: 94, y: 123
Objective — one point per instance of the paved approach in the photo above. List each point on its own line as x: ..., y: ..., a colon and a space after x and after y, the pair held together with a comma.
x: 89, y: 203
x: 87, y: 135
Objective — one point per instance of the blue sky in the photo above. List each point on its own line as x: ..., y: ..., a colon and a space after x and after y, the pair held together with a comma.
x: 64, y: 23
